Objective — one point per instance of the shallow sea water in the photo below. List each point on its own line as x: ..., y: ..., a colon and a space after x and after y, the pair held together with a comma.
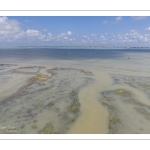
x: 74, y: 91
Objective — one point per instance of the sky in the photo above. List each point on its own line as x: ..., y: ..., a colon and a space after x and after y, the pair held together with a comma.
x: 74, y: 31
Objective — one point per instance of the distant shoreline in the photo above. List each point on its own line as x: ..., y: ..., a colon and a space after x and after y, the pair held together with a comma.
x: 75, y: 47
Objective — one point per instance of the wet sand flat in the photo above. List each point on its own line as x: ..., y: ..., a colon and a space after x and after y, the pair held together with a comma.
x: 75, y: 97
x: 92, y: 121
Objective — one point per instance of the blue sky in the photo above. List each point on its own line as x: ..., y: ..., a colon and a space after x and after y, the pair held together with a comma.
x: 75, y: 31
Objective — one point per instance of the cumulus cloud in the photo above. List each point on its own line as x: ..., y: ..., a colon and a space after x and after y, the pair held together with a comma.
x: 32, y: 33
x: 148, y: 29
x: 69, y: 33
x: 118, y: 18
x: 35, y: 35
x: 63, y: 37
x: 102, y: 37
x: 9, y: 27
x: 20, y: 35
x: 133, y: 38
x: 49, y: 34
x: 130, y: 38
x: 11, y: 31
x: 138, y: 17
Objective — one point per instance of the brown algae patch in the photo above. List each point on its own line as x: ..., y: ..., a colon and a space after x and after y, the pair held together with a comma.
x: 143, y: 112
x: 6, y: 66
x: 28, y: 70
x: 130, y: 83
x: 21, y: 72
x: 133, y: 101
x: 53, y: 70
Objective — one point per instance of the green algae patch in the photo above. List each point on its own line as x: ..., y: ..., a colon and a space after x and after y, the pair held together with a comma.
x: 42, y: 78
x: 145, y: 85
x: 47, y: 129
x: 74, y: 107
x: 34, y: 127
x: 122, y: 92
x: 114, y: 120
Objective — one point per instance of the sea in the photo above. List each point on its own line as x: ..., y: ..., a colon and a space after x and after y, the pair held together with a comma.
x: 69, y: 53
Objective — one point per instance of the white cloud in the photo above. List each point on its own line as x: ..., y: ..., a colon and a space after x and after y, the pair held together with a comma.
x: 63, y: 37
x: 118, y: 18
x: 69, y: 33
x: 10, y: 31
x: 8, y: 27
x: 36, y: 35
x: 148, y: 29
x: 32, y: 33
x: 102, y: 37
x: 49, y: 34
x: 20, y: 35
x: 132, y: 38
x: 138, y: 17
x: 42, y: 37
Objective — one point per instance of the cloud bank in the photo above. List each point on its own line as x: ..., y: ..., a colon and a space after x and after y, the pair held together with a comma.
x: 11, y: 31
